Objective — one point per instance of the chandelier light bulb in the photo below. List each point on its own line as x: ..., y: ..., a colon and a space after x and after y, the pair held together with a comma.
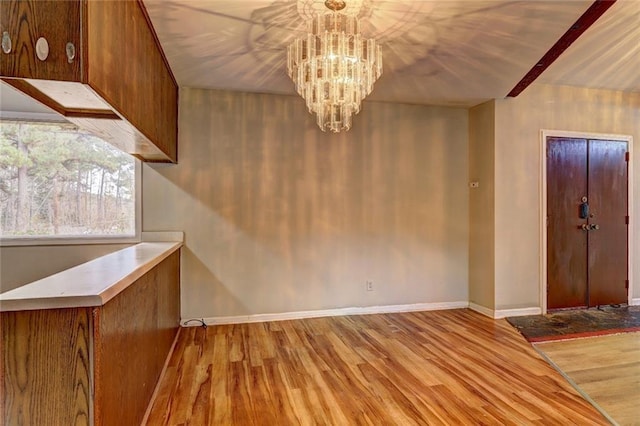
x: 333, y: 67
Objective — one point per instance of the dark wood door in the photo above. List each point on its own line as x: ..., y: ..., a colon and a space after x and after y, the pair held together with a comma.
x: 566, y: 240
x: 607, y: 247
x: 586, y: 253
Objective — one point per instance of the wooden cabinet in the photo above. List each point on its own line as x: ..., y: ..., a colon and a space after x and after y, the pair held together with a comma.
x: 105, y: 70
x: 90, y: 365
x: 26, y: 21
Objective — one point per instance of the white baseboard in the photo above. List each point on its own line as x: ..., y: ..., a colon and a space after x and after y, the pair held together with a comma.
x: 503, y: 313
x: 518, y: 312
x: 635, y: 301
x: 386, y: 309
x: 481, y: 309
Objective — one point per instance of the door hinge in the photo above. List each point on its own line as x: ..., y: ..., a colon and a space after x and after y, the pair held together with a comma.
x: 626, y: 284
x: 626, y: 156
x: 626, y: 220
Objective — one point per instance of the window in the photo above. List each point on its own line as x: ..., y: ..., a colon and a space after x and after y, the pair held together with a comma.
x: 58, y: 182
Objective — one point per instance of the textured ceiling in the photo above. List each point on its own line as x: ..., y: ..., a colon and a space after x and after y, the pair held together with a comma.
x: 607, y: 56
x: 450, y: 52
x: 444, y: 52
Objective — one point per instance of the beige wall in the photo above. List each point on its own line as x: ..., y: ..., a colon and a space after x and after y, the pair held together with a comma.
x: 280, y: 217
x: 517, y: 175
x: 24, y: 264
x: 482, y: 205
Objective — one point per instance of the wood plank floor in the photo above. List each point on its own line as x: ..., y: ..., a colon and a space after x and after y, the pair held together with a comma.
x: 606, y: 368
x: 429, y: 368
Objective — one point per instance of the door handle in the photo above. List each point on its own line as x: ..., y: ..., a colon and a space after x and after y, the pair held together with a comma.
x: 594, y: 227
x: 584, y: 209
x: 584, y: 227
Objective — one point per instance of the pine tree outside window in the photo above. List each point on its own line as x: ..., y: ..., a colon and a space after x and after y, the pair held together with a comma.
x: 60, y: 183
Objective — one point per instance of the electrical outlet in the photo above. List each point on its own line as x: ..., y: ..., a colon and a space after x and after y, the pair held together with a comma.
x: 369, y: 285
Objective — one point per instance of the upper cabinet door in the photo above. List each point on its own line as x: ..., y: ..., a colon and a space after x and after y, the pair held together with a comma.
x: 38, y: 33
x: 127, y: 68
x: 99, y: 64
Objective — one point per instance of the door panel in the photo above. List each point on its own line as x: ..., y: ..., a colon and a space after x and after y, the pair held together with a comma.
x: 566, y: 242
x: 607, y: 246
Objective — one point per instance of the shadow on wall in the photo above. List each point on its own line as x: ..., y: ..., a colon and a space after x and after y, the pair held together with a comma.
x: 200, y: 273
x: 287, y: 218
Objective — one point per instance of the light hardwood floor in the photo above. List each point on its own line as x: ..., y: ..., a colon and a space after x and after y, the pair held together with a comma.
x: 429, y: 368
x: 606, y: 368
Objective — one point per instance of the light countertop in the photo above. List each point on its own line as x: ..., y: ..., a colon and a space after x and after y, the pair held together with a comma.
x: 93, y: 283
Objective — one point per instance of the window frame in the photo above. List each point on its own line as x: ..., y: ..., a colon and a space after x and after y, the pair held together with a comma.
x: 68, y: 240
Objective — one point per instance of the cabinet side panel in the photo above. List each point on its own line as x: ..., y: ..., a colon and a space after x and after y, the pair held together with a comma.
x: 134, y: 341
x: 127, y: 69
x: 25, y: 22
x: 168, y: 302
x: 45, y: 367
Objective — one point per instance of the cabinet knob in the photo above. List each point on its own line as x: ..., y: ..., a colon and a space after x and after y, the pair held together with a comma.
x: 71, y: 52
x: 42, y: 49
x: 6, y: 42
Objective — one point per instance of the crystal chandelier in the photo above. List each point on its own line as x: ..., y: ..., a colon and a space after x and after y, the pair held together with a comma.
x: 334, y: 67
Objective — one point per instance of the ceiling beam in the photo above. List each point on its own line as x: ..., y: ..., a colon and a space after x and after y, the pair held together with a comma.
x: 588, y: 18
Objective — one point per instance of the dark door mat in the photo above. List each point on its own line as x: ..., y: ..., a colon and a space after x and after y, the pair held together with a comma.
x: 571, y: 324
